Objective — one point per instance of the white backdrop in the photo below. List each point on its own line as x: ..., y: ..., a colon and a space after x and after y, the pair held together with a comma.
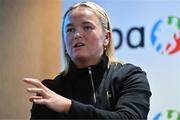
x: 147, y: 34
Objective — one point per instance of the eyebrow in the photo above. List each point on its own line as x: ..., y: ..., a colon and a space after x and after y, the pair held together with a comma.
x: 70, y: 24
x: 87, y: 22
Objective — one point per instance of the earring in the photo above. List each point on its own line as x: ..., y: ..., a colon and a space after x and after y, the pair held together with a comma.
x: 104, y: 48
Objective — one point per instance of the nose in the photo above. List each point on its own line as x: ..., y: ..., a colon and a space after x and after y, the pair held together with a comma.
x: 78, y: 34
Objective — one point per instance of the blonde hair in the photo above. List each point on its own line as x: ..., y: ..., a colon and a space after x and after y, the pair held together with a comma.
x: 105, y: 22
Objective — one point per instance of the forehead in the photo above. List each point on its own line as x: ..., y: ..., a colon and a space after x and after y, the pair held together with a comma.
x: 81, y: 14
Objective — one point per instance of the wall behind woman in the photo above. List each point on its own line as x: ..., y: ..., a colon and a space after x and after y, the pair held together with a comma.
x: 29, y: 47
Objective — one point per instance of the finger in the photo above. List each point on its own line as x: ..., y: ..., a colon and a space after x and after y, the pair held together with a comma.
x: 40, y: 101
x: 34, y: 82
x: 39, y: 91
x: 31, y: 99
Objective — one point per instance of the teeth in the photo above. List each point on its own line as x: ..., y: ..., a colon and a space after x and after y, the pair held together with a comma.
x: 79, y: 45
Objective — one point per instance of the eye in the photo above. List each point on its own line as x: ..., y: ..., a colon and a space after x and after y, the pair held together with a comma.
x: 70, y: 30
x: 87, y: 28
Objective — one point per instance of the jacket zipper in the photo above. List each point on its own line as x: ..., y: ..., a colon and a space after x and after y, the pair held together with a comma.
x: 92, y: 83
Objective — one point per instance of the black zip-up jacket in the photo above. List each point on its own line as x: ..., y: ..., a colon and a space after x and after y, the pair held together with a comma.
x: 121, y: 92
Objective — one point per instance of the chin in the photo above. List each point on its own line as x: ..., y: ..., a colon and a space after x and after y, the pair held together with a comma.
x: 80, y: 57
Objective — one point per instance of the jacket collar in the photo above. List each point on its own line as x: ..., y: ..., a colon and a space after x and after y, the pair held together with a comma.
x: 101, y: 66
x: 82, y: 75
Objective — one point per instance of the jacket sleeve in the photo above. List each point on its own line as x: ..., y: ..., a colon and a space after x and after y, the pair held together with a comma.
x: 132, y: 92
x: 42, y: 112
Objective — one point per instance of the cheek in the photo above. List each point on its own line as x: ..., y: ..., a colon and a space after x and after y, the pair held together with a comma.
x: 67, y: 39
x: 97, y: 44
x: 68, y: 43
x: 99, y: 41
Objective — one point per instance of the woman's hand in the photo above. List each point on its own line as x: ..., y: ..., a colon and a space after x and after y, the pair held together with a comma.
x: 47, y: 97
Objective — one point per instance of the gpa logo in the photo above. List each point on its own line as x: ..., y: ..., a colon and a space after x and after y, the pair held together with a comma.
x: 165, y: 35
x: 167, y: 115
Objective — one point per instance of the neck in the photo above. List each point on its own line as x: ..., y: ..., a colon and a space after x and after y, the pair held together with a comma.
x: 85, y: 63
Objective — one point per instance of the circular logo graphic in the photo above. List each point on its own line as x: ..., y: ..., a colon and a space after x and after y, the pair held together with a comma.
x: 169, y: 114
x: 165, y: 35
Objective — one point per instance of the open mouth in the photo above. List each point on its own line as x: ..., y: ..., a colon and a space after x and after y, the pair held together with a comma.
x: 78, y: 45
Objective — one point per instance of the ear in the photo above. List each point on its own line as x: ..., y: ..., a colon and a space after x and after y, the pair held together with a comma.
x: 107, y: 38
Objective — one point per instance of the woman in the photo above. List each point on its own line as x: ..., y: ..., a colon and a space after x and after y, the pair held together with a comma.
x: 94, y: 84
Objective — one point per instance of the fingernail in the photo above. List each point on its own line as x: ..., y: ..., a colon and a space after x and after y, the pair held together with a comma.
x: 29, y: 89
x: 26, y: 78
